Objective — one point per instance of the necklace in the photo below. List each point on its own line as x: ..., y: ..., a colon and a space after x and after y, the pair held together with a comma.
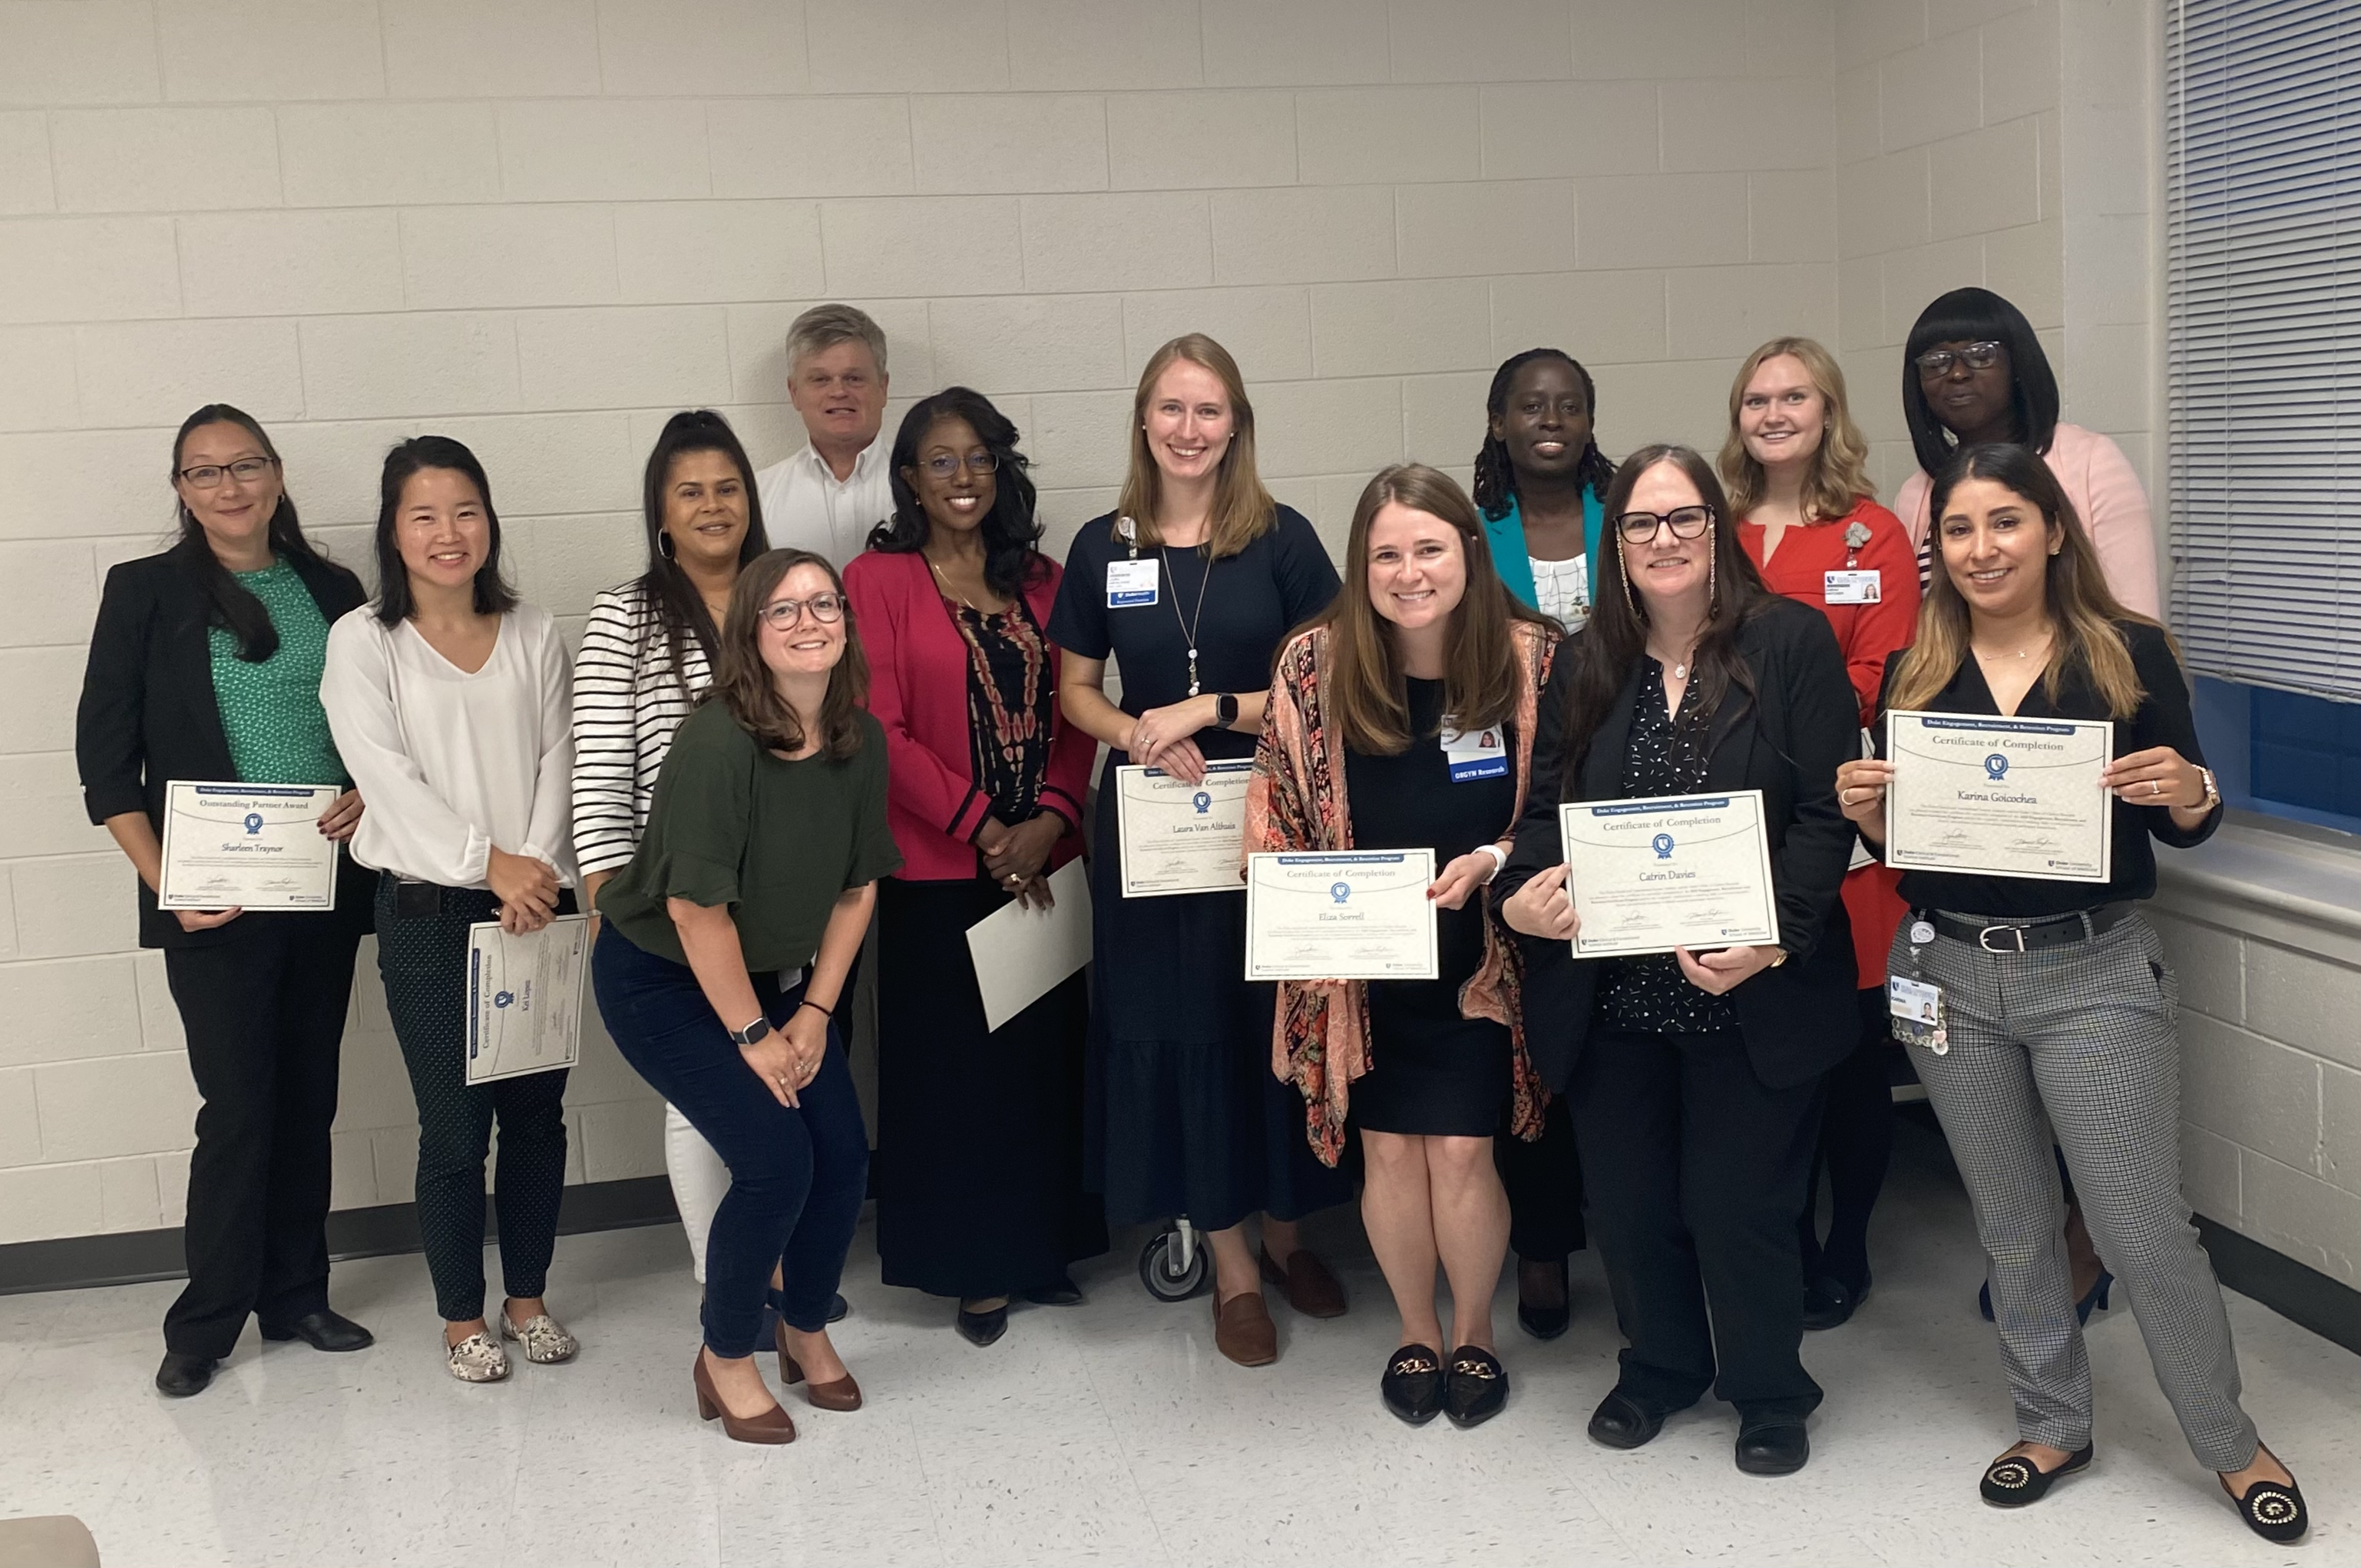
x: 1188, y: 627
x: 1680, y: 670
x: 943, y: 577
x: 2041, y: 642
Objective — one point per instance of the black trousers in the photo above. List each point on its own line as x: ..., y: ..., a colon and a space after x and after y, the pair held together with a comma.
x: 1545, y: 1183
x: 264, y: 1015
x: 1855, y: 1147
x: 1695, y: 1174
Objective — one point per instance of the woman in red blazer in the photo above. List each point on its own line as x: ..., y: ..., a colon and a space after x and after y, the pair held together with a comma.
x: 980, y: 1130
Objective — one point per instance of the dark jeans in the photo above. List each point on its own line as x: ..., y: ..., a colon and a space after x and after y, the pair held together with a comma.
x: 796, y: 1175
x: 1856, y: 1146
x: 264, y: 1013
x: 424, y: 959
x: 1696, y: 1175
x: 1545, y: 1184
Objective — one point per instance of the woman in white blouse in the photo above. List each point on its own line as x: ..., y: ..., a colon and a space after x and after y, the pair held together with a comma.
x: 450, y: 703
x: 646, y: 659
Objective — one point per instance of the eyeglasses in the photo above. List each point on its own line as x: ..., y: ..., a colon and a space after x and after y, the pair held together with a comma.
x: 780, y: 614
x: 245, y: 470
x: 1686, y: 522
x: 944, y: 466
x: 1975, y: 357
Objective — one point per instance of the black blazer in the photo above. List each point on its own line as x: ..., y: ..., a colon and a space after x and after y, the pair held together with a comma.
x: 1801, y: 1018
x: 149, y: 714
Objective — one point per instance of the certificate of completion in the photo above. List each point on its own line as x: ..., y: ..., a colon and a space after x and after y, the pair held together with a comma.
x: 1351, y: 915
x: 244, y: 846
x: 1681, y: 871
x: 2000, y: 796
x: 525, y: 998
x: 1181, y: 838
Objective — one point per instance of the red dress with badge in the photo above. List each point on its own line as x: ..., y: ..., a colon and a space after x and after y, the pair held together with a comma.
x: 1843, y: 558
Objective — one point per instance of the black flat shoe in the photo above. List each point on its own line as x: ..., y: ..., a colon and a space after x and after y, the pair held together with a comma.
x: 324, y: 1330
x: 1621, y: 1421
x: 2273, y: 1512
x: 1828, y: 1303
x: 1478, y: 1386
x: 181, y: 1375
x: 980, y: 1329
x: 1776, y: 1445
x: 2014, y: 1480
x: 1060, y: 1292
x: 1412, y: 1385
x: 837, y: 1306
x: 1537, y: 1319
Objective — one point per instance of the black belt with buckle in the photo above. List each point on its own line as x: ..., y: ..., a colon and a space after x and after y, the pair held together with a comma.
x: 2028, y: 935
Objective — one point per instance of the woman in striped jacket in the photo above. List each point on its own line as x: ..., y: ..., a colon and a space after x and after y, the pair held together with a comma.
x: 646, y: 659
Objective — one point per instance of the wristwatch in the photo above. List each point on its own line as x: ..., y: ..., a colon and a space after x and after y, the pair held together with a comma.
x: 1778, y: 955
x: 1225, y: 708
x: 2212, y: 790
x: 751, y: 1032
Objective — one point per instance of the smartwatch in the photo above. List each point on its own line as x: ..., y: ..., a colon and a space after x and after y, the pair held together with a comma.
x: 1225, y: 708
x: 751, y: 1032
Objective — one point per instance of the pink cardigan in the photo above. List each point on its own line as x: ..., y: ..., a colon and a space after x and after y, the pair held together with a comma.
x: 917, y: 690
x: 2098, y: 479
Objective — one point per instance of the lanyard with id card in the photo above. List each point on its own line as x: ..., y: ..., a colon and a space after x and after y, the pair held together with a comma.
x: 1131, y: 583
x: 1917, y: 1005
x: 1475, y: 754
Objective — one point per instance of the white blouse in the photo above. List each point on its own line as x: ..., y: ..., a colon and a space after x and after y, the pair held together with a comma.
x: 450, y: 763
x: 1562, y: 589
x: 627, y: 703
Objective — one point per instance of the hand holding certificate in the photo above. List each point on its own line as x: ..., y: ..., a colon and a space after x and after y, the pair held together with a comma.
x: 1181, y: 838
x: 1349, y: 914
x: 525, y: 998
x: 1679, y: 872
x: 2024, y: 798
x: 244, y: 846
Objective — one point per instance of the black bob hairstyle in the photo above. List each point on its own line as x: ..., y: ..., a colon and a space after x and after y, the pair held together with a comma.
x: 394, y: 601
x: 1979, y: 315
x: 1012, y: 533
x: 229, y: 605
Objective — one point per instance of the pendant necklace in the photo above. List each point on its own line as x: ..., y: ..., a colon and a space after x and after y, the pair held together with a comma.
x: 1188, y: 627
x: 944, y: 578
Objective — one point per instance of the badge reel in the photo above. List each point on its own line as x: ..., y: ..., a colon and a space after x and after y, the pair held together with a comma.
x: 1918, y: 1016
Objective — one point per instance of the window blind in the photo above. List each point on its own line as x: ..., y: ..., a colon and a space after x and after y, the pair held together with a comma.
x: 2263, y: 338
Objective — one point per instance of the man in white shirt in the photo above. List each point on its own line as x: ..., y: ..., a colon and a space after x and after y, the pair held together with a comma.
x: 826, y: 498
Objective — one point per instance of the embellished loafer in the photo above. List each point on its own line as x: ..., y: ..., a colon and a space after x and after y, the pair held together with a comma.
x: 979, y: 1329
x: 2271, y: 1510
x: 1621, y: 1421
x: 544, y: 1339
x: 323, y: 1330
x: 1413, y: 1385
x: 181, y: 1375
x: 1243, y: 1330
x: 2013, y: 1479
x: 1479, y: 1388
x: 1537, y: 1319
x: 479, y: 1358
x: 1776, y: 1445
x: 1311, y: 1288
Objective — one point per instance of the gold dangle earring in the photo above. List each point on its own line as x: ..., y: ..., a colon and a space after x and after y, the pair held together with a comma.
x: 1623, y: 570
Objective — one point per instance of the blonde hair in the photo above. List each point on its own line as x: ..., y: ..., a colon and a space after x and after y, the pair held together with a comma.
x: 1243, y: 510
x: 1840, y: 475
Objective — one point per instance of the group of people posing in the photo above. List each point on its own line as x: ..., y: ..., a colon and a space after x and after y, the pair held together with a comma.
x: 851, y: 691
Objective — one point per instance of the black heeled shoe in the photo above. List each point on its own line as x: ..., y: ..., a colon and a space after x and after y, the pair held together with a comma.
x: 2093, y: 1299
x: 1476, y: 1389
x: 981, y: 1329
x: 2273, y: 1511
x: 1830, y: 1302
x: 1413, y: 1386
x: 2013, y: 1479
x: 1545, y: 1323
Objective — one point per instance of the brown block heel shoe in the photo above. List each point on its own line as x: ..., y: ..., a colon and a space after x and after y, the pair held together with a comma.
x: 1243, y: 1330
x: 843, y: 1394
x: 772, y: 1426
x: 1311, y: 1288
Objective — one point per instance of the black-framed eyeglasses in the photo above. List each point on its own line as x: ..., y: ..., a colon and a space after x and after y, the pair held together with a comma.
x: 942, y: 466
x: 1686, y: 522
x: 780, y: 614
x: 1975, y: 357
x: 245, y: 470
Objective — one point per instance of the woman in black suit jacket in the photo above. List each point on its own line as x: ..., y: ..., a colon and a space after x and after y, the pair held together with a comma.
x: 1695, y: 1078
x: 206, y: 665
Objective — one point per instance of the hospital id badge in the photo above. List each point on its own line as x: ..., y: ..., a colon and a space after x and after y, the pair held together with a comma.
x: 1475, y: 754
x: 1130, y: 583
x: 1861, y: 587
x: 1917, y: 1009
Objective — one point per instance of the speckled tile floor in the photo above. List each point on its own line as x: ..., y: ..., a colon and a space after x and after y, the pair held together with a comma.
x: 1110, y: 1432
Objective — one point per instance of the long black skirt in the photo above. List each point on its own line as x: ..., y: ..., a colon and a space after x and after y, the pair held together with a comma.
x: 980, y: 1187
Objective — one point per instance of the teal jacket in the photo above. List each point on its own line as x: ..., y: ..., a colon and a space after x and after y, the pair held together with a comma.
x: 1506, y: 535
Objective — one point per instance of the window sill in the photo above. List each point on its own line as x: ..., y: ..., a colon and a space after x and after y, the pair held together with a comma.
x: 2297, y: 888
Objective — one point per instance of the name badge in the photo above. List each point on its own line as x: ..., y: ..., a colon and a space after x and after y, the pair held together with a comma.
x: 1130, y: 583
x: 1917, y: 1009
x: 1852, y: 587
x: 1475, y: 754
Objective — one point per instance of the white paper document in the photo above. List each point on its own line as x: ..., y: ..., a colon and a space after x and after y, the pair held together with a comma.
x: 1687, y: 871
x: 245, y: 846
x: 2000, y: 796
x: 1181, y: 838
x: 1021, y: 955
x: 525, y: 998
x: 1349, y: 914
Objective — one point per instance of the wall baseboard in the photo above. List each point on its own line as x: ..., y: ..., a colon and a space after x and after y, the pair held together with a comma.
x: 2296, y: 1291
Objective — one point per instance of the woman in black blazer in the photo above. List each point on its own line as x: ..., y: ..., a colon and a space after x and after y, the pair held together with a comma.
x: 206, y: 665
x: 1695, y: 1078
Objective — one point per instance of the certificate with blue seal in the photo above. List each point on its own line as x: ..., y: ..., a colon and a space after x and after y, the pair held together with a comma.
x: 525, y: 998
x: 1341, y: 914
x: 1178, y: 836
x: 247, y: 845
x: 1677, y: 871
x: 2023, y: 797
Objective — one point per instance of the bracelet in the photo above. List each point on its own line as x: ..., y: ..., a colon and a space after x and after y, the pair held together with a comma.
x: 1499, y: 861
x: 824, y: 1012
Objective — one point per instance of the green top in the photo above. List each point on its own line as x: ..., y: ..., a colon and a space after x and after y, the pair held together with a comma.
x: 776, y: 841
x: 270, y: 712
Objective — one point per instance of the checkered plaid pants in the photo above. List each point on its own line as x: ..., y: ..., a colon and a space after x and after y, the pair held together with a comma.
x: 2079, y: 1040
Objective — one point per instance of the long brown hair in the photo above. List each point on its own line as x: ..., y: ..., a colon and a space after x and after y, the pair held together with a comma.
x: 2084, y: 612
x: 1368, y: 699
x: 1840, y: 476
x: 1243, y: 510
x: 1610, y: 645
x: 746, y: 685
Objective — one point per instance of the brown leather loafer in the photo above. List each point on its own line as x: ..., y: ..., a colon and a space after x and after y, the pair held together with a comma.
x: 1243, y: 1330
x: 1311, y: 1288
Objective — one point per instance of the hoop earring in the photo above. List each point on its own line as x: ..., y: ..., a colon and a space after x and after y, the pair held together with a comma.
x: 664, y: 545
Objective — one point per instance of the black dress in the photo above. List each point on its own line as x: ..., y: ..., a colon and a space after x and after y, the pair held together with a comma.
x: 980, y: 1147
x: 1185, y: 1116
x: 1431, y: 1070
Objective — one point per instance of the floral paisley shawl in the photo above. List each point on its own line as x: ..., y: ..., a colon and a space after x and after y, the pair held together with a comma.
x: 1320, y: 1036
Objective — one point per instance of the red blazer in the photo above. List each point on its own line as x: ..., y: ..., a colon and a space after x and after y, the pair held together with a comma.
x: 917, y: 690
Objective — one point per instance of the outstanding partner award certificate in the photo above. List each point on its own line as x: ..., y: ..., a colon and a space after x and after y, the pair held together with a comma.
x: 1346, y: 914
x: 245, y: 846
x: 525, y: 998
x: 2000, y: 796
x: 1181, y: 838
x: 1681, y: 871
